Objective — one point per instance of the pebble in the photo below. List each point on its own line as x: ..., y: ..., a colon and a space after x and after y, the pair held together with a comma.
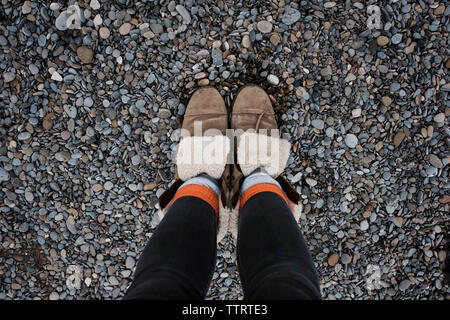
x: 382, y: 40
x: 4, y: 175
x: 8, y: 76
x: 94, y: 4
x: 156, y: 28
x: 129, y: 262
x: 439, y: 118
x: 104, y: 32
x: 351, y: 140
x: 333, y: 259
x: 290, y: 16
x: 85, y: 54
x: 184, y: 14
x: 396, y: 38
x: 56, y: 76
x: 398, y: 138
x: 26, y: 7
x: 318, y: 124
x: 364, y: 225
x: 264, y: 26
x: 125, y: 28
x: 435, y: 161
x: 404, y: 285
x: 386, y: 101
x: 273, y: 80
x: 135, y: 160
x: 246, y: 41
x: 345, y: 258
x: 311, y: 182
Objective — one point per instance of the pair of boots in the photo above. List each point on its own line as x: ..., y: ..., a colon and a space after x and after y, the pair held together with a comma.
x: 207, y: 146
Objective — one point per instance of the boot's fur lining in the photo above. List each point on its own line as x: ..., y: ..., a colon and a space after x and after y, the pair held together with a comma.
x: 202, y: 154
x: 256, y: 150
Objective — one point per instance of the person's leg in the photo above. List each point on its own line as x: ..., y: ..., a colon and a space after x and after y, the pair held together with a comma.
x: 273, y: 258
x: 178, y: 261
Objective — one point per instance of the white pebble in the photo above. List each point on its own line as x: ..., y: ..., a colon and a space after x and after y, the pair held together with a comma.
x: 56, y: 76
x: 273, y: 80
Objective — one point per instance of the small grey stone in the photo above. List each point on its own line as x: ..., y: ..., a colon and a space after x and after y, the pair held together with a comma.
x: 140, y: 104
x: 351, y: 140
x: 345, y: 258
x: 396, y: 38
x: 350, y: 77
x: 94, y: 4
x: 329, y: 132
x: 364, y: 225
x: 73, y: 112
x: 108, y: 185
x: 435, y: 161
x: 326, y: 71
x: 8, y: 76
x: 24, y: 135
x: 4, y: 175
x: 23, y: 227
x: 135, y: 160
x: 164, y: 113
x: 439, y: 118
x: 156, y: 28
x: 184, y: 14
x: 61, y: 21
x: 33, y: 69
x: 311, y: 182
x: 88, y: 102
x: 404, y: 285
x: 290, y: 16
x: 29, y: 196
x: 296, y: 178
x: 394, y: 87
x: 318, y: 124
x: 264, y: 26
x: 129, y: 262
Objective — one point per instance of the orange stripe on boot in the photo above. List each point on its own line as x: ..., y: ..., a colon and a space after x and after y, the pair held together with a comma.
x: 198, y: 191
x: 258, y: 188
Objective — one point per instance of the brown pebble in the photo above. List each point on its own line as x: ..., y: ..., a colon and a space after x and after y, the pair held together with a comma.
x: 101, y: 218
x: 246, y: 41
x: 275, y: 39
x: 16, y: 286
x: 104, y: 32
x: 97, y: 187
x: 65, y: 135
x: 149, y: 186
x: 333, y: 259
x: 386, y: 101
x: 47, y: 124
x: 203, y: 82
x: 125, y: 28
x: 398, y: 138
x: 85, y: 54
x: 382, y: 40
x: 439, y: 10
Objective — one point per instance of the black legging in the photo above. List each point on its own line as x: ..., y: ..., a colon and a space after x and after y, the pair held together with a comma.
x: 273, y: 259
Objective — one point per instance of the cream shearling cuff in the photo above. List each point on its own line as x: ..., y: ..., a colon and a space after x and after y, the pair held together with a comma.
x: 255, y: 150
x: 202, y: 154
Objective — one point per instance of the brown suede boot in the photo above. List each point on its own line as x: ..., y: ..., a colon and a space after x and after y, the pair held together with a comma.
x: 206, y: 106
x: 252, y: 112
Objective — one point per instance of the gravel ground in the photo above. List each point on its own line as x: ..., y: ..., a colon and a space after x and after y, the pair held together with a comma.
x: 89, y: 112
